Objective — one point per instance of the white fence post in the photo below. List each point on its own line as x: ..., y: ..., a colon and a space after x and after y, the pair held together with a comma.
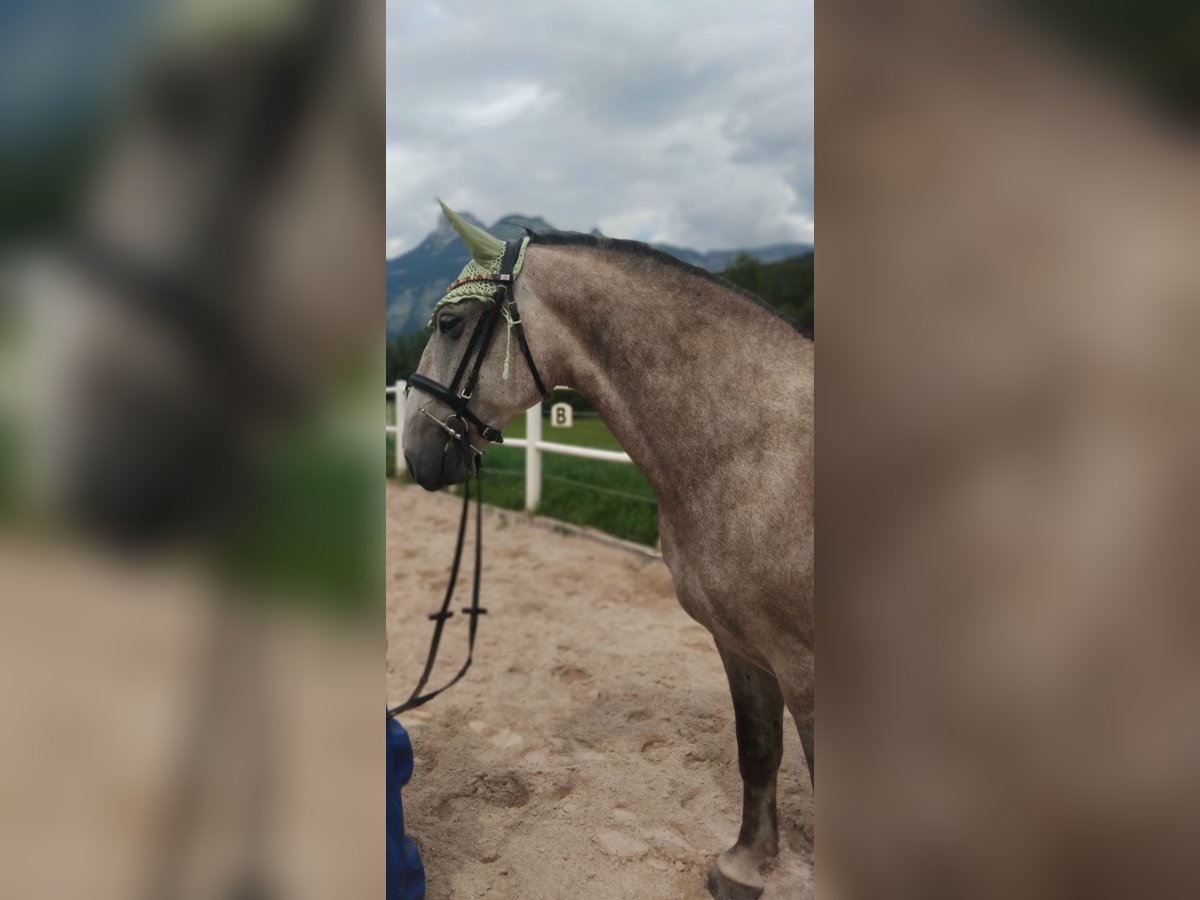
x: 398, y: 409
x: 533, y: 457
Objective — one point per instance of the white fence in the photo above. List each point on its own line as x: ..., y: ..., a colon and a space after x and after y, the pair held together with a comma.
x: 532, y: 442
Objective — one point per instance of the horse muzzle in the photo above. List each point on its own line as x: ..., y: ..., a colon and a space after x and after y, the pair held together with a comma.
x: 435, y: 460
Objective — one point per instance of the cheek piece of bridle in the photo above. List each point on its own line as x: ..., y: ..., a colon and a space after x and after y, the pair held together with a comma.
x: 456, y: 425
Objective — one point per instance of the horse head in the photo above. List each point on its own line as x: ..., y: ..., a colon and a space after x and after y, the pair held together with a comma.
x: 470, y: 384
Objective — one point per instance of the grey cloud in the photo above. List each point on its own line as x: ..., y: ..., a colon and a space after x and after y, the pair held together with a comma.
x: 691, y: 122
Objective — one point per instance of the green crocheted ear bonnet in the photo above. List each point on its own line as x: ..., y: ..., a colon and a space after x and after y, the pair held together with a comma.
x: 474, y: 282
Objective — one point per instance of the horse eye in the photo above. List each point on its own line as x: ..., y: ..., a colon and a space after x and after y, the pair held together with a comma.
x: 448, y: 322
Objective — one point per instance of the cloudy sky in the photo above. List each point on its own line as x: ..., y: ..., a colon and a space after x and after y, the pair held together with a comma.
x: 684, y: 121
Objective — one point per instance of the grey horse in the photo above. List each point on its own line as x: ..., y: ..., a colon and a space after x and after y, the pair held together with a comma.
x: 711, y: 394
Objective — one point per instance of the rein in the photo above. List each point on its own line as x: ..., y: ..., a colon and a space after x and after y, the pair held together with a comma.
x: 457, y: 426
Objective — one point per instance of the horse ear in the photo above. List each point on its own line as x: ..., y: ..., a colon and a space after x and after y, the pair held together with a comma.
x: 484, y: 248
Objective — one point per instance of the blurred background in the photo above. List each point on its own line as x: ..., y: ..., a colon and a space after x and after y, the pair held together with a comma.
x: 189, y: 509
x: 1009, y: 692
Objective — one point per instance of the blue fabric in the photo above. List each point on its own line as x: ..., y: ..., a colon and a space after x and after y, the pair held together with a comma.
x: 405, y: 875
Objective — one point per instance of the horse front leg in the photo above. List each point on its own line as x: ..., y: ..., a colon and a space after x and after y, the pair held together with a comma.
x: 758, y: 716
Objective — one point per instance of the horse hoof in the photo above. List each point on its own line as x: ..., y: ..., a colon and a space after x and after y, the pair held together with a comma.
x: 722, y: 887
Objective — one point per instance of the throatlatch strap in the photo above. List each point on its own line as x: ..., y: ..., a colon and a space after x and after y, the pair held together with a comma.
x: 515, y: 318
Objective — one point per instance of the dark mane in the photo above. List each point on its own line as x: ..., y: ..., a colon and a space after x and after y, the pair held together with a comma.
x: 645, y: 251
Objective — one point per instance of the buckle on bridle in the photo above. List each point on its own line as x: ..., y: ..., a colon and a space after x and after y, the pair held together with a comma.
x: 445, y: 426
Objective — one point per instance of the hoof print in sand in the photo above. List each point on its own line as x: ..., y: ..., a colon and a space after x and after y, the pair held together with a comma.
x: 613, y: 843
x: 506, y: 789
x: 572, y: 673
x: 657, y: 749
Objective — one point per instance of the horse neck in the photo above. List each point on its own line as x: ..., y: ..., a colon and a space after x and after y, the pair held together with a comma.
x: 659, y: 352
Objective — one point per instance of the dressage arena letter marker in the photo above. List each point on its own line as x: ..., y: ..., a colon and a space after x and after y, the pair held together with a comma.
x: 561, y: 415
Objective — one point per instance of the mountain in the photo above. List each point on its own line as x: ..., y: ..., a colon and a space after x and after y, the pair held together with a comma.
x: 417, y: 279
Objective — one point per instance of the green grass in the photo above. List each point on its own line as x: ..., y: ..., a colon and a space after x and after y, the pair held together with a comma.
x: 613, y: 497
x: 586, y: 432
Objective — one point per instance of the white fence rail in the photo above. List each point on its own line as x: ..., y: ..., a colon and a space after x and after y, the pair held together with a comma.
x: 532, y: 442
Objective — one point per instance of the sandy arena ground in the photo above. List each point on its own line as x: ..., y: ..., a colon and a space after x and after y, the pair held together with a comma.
x: 589, y: 752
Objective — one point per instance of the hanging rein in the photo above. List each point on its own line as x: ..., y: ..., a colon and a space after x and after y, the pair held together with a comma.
x: 457, y: 395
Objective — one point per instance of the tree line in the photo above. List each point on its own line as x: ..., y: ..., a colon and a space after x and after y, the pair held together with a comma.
x: 786, y: 285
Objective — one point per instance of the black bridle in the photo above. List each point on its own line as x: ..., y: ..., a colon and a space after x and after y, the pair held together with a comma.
x: 458, y: 394
x: 503, y: 305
